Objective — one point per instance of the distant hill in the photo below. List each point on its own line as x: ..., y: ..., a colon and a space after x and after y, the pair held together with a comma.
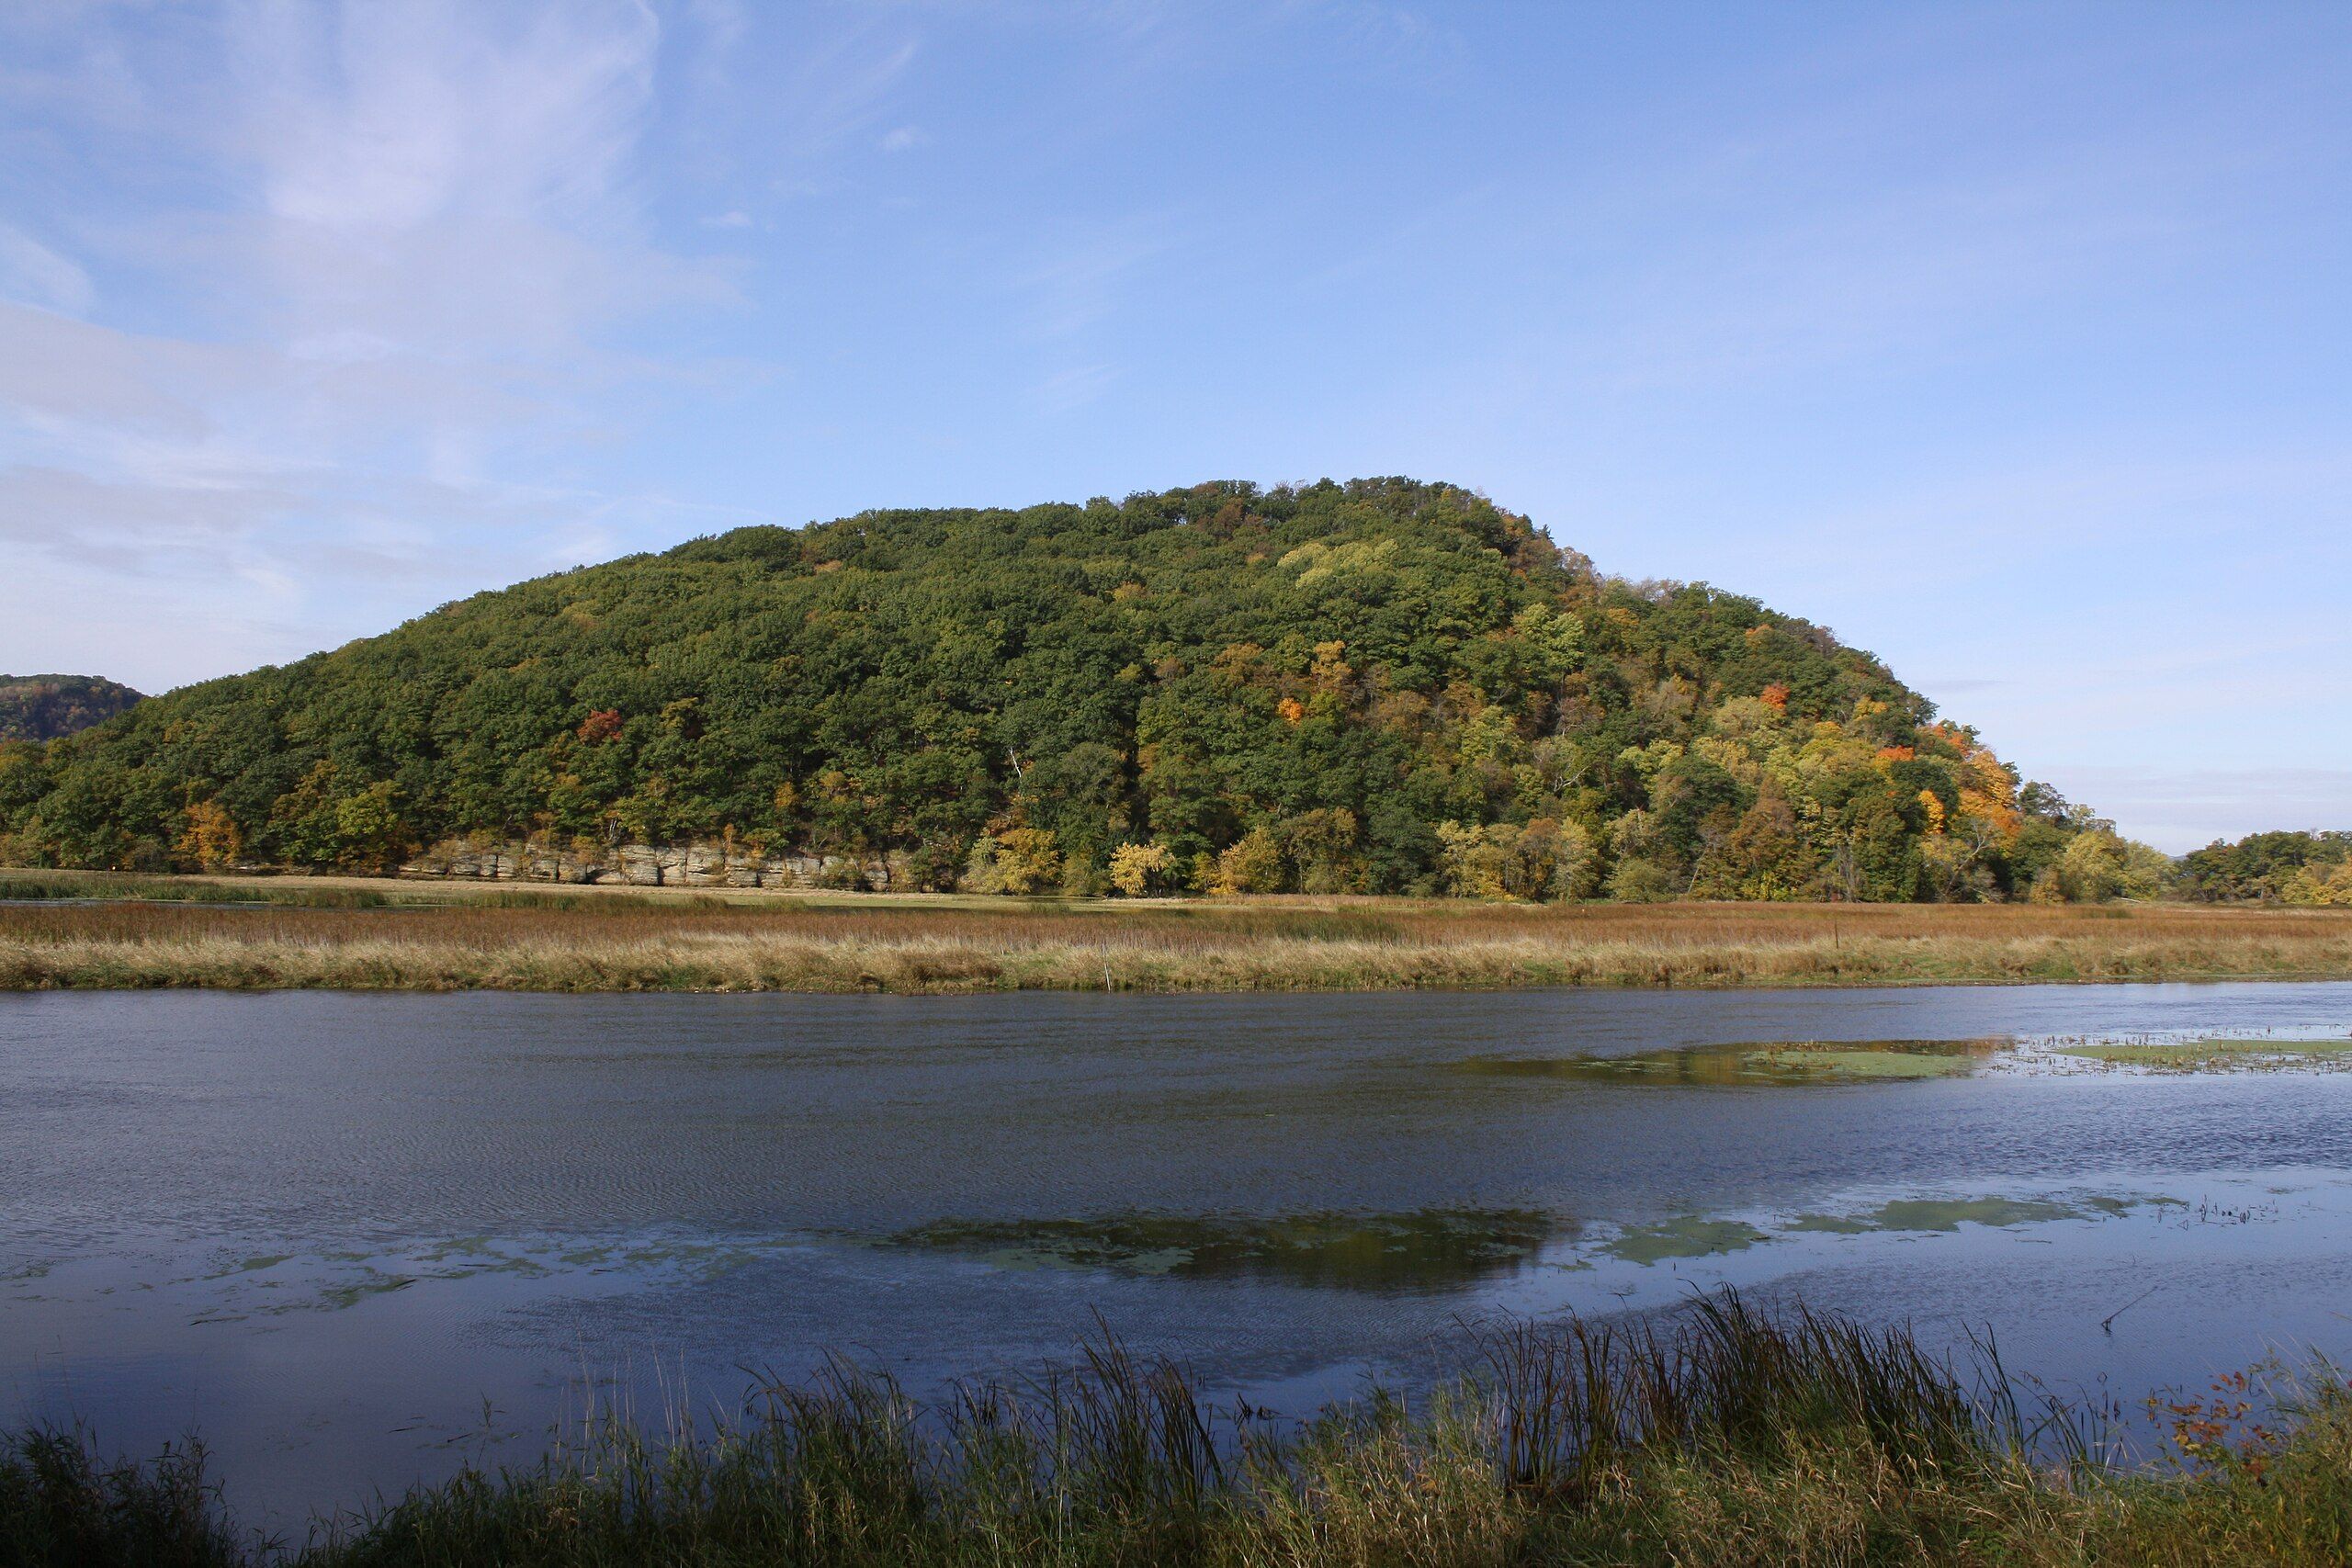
x: 42, y: 707
x: 1379, y: 685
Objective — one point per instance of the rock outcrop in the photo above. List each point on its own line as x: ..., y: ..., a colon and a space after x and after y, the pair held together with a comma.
x: 647, y: 866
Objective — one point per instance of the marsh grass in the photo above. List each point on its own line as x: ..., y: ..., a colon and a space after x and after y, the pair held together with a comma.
x: 595, y: 939
x: 1724, y: 1435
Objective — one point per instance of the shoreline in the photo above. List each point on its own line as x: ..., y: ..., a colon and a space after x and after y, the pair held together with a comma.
x: 62, y: 931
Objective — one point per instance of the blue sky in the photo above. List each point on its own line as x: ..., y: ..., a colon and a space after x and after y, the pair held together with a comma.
x: 2012, y: 343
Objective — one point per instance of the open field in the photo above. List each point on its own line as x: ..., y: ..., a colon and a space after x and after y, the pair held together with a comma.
x: 1727, y: 1438
x: 350, y: 932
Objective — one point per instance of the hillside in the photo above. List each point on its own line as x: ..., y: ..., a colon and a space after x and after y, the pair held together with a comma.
x: 1379, y: 686
x: 42, y: 707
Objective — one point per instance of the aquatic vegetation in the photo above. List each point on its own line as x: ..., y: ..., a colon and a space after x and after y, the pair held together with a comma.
x: 1714, y: 1437
x: 1950, y: 1214
x: 1425, y: 1249
x: 336, y: 1280
x: 1947, y: 1214
x: 1778, y: 1062
x: 337, y: 1297
x: 1693, y: 1235
x: 1687, y: 1236
x: 1829, y: 1224
x: 2196, y: 1055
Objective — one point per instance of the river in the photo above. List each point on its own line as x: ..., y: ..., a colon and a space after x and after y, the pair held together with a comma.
x: 354, y: 1240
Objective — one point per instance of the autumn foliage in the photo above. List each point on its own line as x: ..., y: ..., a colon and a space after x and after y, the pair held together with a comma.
x: 1373, y: 687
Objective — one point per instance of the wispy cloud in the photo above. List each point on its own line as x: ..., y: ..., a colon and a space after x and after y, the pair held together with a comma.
x: 1074, y: 387
x: 1085, y: 273
x: 839, y: 92
x: 32, y: 272
x: 411, y: 237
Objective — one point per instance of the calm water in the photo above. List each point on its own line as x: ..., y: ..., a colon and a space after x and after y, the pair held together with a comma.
x: 353, y: 1239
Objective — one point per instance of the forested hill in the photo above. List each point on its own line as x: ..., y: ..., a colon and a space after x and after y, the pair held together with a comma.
x: 42, y: 707
x: 1379, y: 686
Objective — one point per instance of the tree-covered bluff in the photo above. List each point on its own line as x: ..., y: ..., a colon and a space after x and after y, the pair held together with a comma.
x: 42, y: 707
x: 1377, y: 686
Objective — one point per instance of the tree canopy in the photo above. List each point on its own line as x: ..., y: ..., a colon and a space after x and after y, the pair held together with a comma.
x: 1377, y: 685
x: 2290, y: 868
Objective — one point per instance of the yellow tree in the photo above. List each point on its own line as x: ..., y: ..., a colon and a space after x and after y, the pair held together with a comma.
x: 211, y: 839
x: 2324, y: 886
x: 1134, y: 865
x: 1018, y: 861
x: 1254, y: 863
x: 1028, y: 858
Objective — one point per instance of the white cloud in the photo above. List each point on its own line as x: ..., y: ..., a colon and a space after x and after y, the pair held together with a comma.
x: 905, y: 139
x: 368, y: 120
x: 448, y: 183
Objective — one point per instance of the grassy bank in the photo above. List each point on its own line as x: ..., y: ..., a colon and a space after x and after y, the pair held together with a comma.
x: 267, y: 932
x: 1724, y: 1437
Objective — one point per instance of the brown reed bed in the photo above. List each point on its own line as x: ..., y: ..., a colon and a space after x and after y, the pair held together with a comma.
x: 519, y: 940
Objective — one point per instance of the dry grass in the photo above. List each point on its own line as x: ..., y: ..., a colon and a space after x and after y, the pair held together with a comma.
x: 445, y: 939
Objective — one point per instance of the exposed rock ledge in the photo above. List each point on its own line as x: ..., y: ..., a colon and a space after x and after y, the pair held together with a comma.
x: 649, y: 865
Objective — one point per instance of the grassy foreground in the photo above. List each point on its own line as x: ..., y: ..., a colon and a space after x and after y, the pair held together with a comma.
x: 277, y: 932
x: 1727, y: 1438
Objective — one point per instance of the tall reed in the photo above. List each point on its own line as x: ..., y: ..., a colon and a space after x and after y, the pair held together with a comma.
x: 1722, y: 1436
